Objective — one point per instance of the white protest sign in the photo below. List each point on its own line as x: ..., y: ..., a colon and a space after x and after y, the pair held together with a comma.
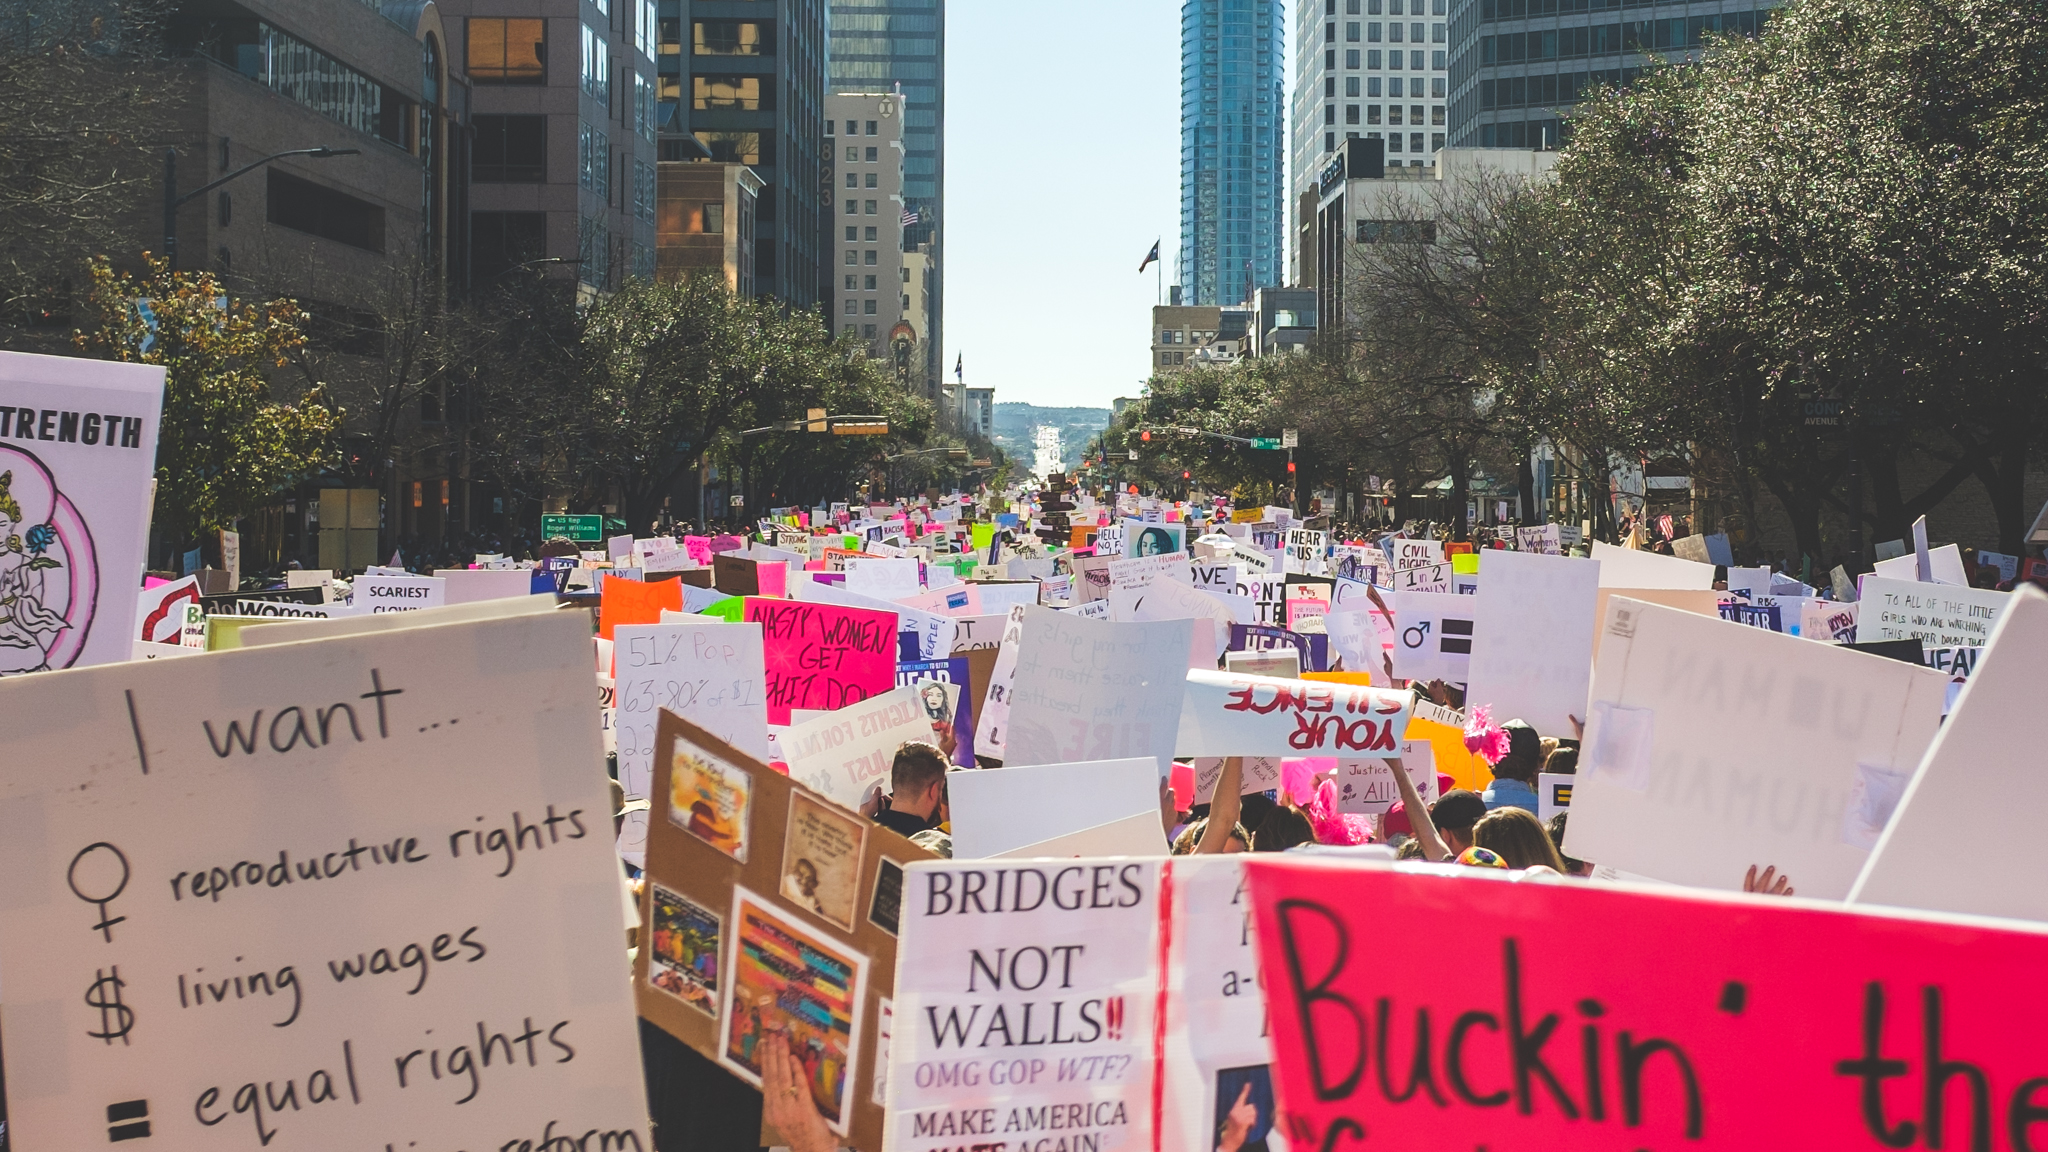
x: 1109, y: 540
x: 1427, y: 578
x: 1367, y: 787
x: 1542, y: 539
x: 1267, y: 594
x: 1944, y: 564
x: 992, y: 720
x: 469, y: 585
x: 356, y: 622
x: 996, y: 598
x: 1305, y: 554
x: 1254, y: 561
x: 1094, y: 690
x: 1358, y: 635
x: 847, y: 753
x: 1003, y: 809
x: 231, y: 557
x: 972, y: 632
x: 77, y: 453
x: 267, y: 902
x: 1072, y: 944
x: 956, y: 599
x: 1634, y: 568
x: 1433, y: 636
x: 1829, y: 621
x: 1144, y: 571
x: 1409, y: 554
x: 709, y: 674
x: 160, y: 611
x: 1713, y: 746
x: 1532, y: 650
x: 1971, y: 789
x: 1234, y: 714
x: 1938, y: 615
x: 1553, y: 793
x: 883, y: 579
x: 285, y: 610
x: 1135, y: 835
x: 379, y: 594
x: 1257, y: 774
x: 1217, y: 1050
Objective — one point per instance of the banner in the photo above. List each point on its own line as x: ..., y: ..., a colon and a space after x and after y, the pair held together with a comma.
x: 1609, y: 1019
x: 1230, y: 714
x: 77, y: 458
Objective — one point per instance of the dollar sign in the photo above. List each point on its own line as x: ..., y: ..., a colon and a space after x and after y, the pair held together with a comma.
x: 116, y: 1018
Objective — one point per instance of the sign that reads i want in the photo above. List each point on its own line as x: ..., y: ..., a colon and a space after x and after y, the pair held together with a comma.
x: 353, y: 893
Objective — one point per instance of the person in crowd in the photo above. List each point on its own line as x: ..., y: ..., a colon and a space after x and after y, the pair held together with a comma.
x: 918, y: 778
x: 1556, y: 829
x: 1517, y: 837
x: 1514, y: 777
x: 1283, y: 828
x: 1453, y: 815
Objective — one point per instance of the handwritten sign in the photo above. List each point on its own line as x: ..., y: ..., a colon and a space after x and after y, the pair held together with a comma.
x: 822, y: 656
x: 1937, y: 615
x: 1613, y: 1019
x: 847, y: 754
x: 710, y: 674
x: 267, y: 903
x: 1367, y: 787
x: 1230, y: 714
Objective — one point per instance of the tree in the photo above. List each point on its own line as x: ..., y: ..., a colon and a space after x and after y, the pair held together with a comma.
x: 225, y: 448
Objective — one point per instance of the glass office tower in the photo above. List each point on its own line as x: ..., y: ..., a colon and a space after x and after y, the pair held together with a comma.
x: 1233, y: 149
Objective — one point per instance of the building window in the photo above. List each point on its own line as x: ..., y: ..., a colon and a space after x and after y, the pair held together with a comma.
x: 853, y: 207
x: 507, y: 51
x: 304, y: 206
x: 1330, y: 58
x: 1397, y: 231
x: 1329, y: 141
x: 1415, y: 141
x: 1329, y: 113
x: 1436, y: 115
x: 870, y: 237
x: 852, y: 308
x: 871, y: 208
x: 852, y: 234
x: 1372, y: 60
x: 740, y: 147
x: 1436, y: 33
x: 867, y: 307
x: 671, y: 37
x: 732, y: 38
x: 871, y: 127
x: 1393, y: 113
x: 643, y: 107
x: 1415, y: 33
x: 1350, y: 58
x: 1329, y: 86
x: 869, y: 286
x: 1436, y: 87
x: 1372, y: 114
x: 1372, y: 86
x: 873, y: 180
x: 852, y: 180
x: 730, y: 94
x: 597, y: 66
x: 644, y: 29
x: 874, y: 154
x: 1351, y: 86
x: 850, y: 282
x: 1415, y: 115
x: 1393, y: 141
x: 510, y: 150
x: 1436, y: 60
x: 850, y: 331
x: 501, y: 241
x: 870, y: 258
x: 1351, y: 31
x: 1372, y: 32
x: 1394, y: 32
x: 1436, y: 141
x: 1351, y: 113
x: 852, y: 257
x: 643, y: 191
x: 867, y: 331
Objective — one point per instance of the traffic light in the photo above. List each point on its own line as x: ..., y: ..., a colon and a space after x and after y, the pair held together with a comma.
x: 1290, y: 466
x: 1145, y: 435
x: 1183, y: 475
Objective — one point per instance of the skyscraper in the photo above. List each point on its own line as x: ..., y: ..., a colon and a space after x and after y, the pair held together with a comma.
x: 1233, y: 146
x: 1517, y: 66
x: 878, y: 46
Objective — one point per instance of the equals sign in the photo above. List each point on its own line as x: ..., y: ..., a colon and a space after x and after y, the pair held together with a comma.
x: 128, y: 1120
x: 1457, y: 636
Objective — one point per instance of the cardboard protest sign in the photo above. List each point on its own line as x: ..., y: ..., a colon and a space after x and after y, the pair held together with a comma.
x: 1532, y: 651
x: 1967, y: 790
x: 159, y: 611
x: 1634, y: 568
x: 846, y: 753
x: 1230, y: 714
x: 1367, y: 787
x: 262, y: 633
x: 77, y: 454
x: 1937, y: 615
x: 737, y: 945
x: 1612, y: 1019
x: 1004, y: 809
x: 822, y: 656
x: 263, y: 906
x: 1433, y: 636
x: 713, y: 675
x: 1712, y: 747
x: 1070, y: 948
x: 1699, y: 602
x: 972, y: 632
x: 1095, y: 690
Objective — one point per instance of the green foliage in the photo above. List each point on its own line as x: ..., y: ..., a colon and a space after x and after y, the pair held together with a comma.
x: 225, y: 448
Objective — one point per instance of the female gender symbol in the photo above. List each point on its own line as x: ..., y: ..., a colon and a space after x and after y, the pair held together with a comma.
x: 106, y: 924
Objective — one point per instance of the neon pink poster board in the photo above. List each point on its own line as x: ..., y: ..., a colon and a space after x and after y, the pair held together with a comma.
x: 822, y: 656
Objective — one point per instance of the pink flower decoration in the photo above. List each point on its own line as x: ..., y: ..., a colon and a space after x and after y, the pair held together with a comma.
x: 1484, y: 738
x: 1331, y: 826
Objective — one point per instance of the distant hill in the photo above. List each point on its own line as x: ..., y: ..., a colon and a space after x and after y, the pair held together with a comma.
x: 1016, y: 425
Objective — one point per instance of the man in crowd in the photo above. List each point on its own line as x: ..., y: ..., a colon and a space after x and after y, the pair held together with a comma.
x: 918, y: 778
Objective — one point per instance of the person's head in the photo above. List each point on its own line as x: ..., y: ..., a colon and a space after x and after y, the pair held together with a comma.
x: 1525, y: 753
x: 1518, y: 837
x: 805, y: 874
x: 1283, y: 828
x: 1184, y: 844
x: 1454, y: 814
x: 1556, y: 829
x: 918, y: 778
x: 1564, y: 760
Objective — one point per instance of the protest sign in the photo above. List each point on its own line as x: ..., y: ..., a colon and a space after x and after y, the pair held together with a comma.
x: 945, y: 688
x: 1634, y: 568
x: 1700, y: 602
x: 1314, y: 648
x: 846, y: 753
x: 1553, y: 793
x: 1257, y: 774
x: 1095, y: 690
x: 1355, y: 635
x: 972, y: 632
x: 1433, y: 636
x: 1282, y: 662
x: 378, y: 594
x: 1939, y: 616
x: 1829, y: 621
x: 1613, y: 1019
x: 883, y: 579
x: 1944, y: 565
x: 1713, y: 747
x: 1141, y: 539
x: 1003, y: 809
x: 1229, y: 714
x: 1542, y: 539
x: 710, y: 674
x: 160, y: 611
x: 992, y: 724
x: 736, y: 946
x: 1306, y: 552
x: 1532, y: 651
x: 262, y: 633
x: 822, y: 656
x: 1217, y: 1052
x: 1367, y: 787
x: 78, y: 445
x: 292, y: 844
x: 1267, y: 594
x: 1069, y: 947
x: 955, y: 600
x: 468, y: 585
x: 1970, y: 789
x: 1423, y: 578
x: 624, y: 601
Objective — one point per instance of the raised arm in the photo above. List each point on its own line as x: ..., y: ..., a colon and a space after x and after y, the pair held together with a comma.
x: 1224, y: 805
x: 1433, y: 847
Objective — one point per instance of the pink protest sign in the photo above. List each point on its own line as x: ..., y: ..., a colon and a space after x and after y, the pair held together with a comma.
x: 727, y: 544
x: 1606, y: 1019
x: 822, y: 656
x: 699, y: 548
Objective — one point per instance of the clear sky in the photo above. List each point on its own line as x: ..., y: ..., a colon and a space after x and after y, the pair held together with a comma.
x: 1062, y: 168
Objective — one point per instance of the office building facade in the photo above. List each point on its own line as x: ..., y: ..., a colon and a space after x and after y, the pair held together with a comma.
x: 1518, y: 66
x: 870, y: 291
x: 1233, y: 148
x: 743, y: 82
x: 900, y: 46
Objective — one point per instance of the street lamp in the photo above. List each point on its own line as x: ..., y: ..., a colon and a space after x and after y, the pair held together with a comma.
x: 173, y: 201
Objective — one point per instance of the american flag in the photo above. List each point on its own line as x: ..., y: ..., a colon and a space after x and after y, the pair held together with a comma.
x: 909, y: 217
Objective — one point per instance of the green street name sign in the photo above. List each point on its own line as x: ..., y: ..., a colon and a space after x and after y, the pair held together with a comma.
x: 582, y: 529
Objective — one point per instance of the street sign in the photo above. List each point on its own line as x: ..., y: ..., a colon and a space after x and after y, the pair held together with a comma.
x: 582, y: 529
x: 1290, y: 437
x: 862, y: 428
x: 1265, y: 442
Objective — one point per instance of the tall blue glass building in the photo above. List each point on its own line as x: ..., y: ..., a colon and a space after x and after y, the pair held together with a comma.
x: 1233, y: 149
